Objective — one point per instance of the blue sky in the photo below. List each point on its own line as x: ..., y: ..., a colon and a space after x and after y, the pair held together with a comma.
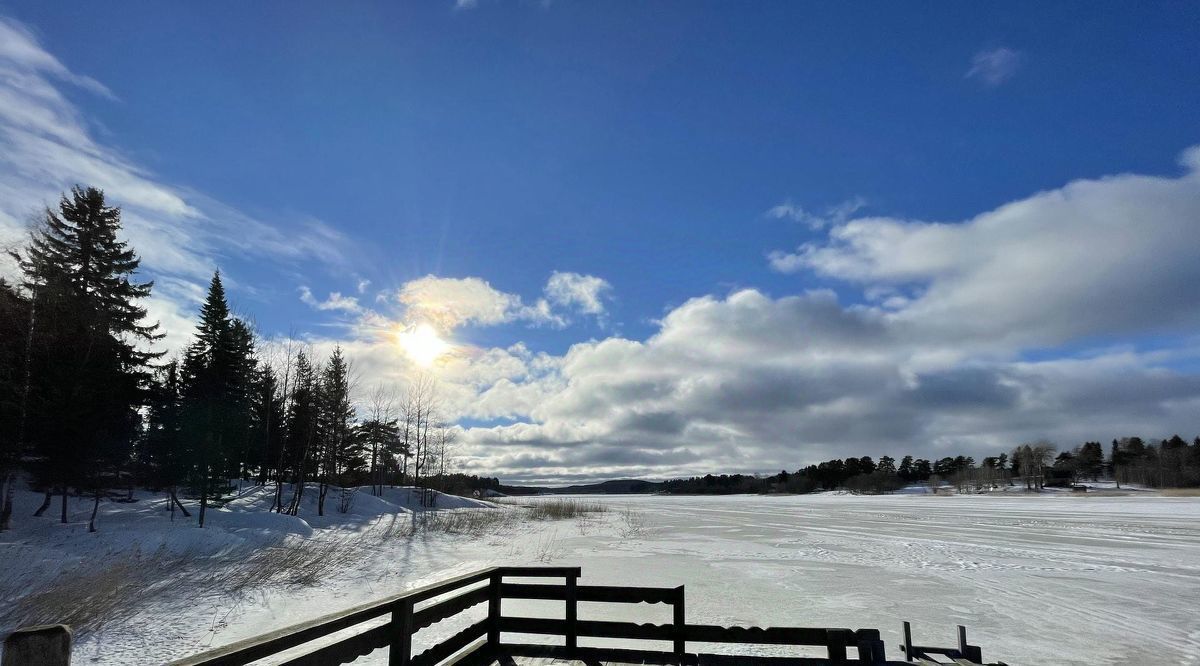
x: 673, y: 151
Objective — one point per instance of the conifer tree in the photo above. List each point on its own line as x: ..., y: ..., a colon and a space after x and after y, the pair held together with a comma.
x: 217, y: 369
x: 14, y: 318
x: 166, y: 453
x: 335, y: 417
x: 89, y: 348
x: 301, y: 428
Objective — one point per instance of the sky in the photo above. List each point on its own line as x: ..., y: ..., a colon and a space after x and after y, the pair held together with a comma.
x: 657, y: 239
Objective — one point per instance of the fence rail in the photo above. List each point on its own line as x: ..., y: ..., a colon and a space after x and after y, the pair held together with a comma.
x: 393, y: 622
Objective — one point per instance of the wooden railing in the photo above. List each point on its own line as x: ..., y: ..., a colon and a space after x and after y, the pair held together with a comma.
x: 393, y: 622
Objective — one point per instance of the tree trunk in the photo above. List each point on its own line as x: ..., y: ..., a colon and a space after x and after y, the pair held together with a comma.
x: 177, y: 503
x: 45, y: 503
x: 203, y: 499
x: 64, y: 504
x: 6, y: 501
x: 95, y: 510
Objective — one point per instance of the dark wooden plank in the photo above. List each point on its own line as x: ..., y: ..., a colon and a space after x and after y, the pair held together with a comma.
x: 448, y: 647
x: 680, y: 625
x: 590, y: 655
x: 908, y: 645
x: 449, y: 607
x: 400, y: 650
x: 707, y: 633
x: 591, y: 628
x: 494, y: 599
x: 541, y: 572
x: 836, y: 641
x: 347, y: 650
x: 274, y: 642
x: 870, y: 646
x: 591, y: 593
x: 572, y: 612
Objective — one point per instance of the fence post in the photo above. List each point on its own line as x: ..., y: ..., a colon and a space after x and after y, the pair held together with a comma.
x: 572, y: 614
x: 966, y: 651
x: 870, y: 647
x: 493, y: 637
x: 680, y: 626
x: 400, y: 650
x: 908, y: 646
x: 45, y: 645
x: 835, y: 641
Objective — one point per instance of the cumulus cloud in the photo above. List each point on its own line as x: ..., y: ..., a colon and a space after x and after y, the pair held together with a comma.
x: 1103, y: 257
x: 752, y: 383
x: 452, y: 302
x: 929, y: 362
x: 582, y: 292
x: 994, y: 66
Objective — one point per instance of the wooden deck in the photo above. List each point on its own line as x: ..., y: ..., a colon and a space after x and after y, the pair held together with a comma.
x: 482, y: 642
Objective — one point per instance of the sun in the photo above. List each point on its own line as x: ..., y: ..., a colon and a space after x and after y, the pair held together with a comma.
x: 422, y: 344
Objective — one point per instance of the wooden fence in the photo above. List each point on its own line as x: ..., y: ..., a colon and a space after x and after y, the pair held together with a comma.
x: 393, y: 622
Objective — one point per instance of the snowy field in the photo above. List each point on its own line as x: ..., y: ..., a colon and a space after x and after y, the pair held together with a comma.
x: 1037, y: 579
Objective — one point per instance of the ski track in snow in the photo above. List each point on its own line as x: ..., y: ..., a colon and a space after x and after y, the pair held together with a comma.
x: 1050, y: 578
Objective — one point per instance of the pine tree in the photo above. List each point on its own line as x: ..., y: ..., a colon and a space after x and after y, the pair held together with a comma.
x: 89, y: 350
x: 301, y: 428
x: 217, y: 371
x: 165, y: 448
x: 335, y: 415
x: 14, y: 318
x: 267, y: 424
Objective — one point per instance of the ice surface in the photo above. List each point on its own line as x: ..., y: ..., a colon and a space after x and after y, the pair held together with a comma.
x: 1037, y: 578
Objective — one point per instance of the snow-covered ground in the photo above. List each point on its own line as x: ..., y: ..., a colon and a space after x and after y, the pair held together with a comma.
x: 1038, y: 578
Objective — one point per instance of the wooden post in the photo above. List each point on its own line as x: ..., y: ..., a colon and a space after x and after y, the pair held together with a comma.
x: 870, y: 647
x: 400, y: 651
x: 966, y: 651
x: 45, y: 645
x: 680, y: 626
x: 835, y: 641
x: 572, y: 614
x: 493, y: 637
x: 908, y: 651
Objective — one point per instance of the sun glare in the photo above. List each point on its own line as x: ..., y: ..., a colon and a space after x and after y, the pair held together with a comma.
x: 422, y: 344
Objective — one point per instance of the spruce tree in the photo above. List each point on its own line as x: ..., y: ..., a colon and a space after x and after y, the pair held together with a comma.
x: 89, y: 348
x: 217, y: 369
x: 301, y: 429
x: 335, y: 416
x: 14, y: 318
x: 165, y: 451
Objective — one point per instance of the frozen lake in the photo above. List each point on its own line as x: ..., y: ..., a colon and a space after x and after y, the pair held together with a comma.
x: 1053, y: 579
x: 1043, y: 579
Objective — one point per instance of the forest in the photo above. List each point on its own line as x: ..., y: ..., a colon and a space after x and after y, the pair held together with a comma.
x: 1167, y: 463
x: 88, y: 407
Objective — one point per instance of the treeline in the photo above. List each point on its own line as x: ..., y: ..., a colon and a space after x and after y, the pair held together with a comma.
x: 87, y: 406
x: 1167, y: 463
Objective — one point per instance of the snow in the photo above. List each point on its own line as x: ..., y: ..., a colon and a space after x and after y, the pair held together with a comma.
x: 1055, y: 577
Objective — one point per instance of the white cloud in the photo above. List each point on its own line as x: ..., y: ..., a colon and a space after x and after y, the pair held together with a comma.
x: 835, y: 214
x: 995, y: 66
x: 452, y: 302
x: 47, y: 146
x: 582, y: 292
x: 1109, y: 256
x: 335, y: 301
x: 753, y: 383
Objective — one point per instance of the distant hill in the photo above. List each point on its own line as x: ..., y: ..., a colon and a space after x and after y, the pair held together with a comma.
x: 616, y: 487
